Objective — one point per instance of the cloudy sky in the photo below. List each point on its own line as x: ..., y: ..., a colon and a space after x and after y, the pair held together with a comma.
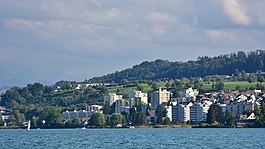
x: 56, y: 40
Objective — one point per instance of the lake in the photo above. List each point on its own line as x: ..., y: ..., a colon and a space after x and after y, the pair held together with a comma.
x: 134, y: 138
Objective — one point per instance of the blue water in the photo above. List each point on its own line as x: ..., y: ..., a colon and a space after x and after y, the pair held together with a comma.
x: 134, y: 138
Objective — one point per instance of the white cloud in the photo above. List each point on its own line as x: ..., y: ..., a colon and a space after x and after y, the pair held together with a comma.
x: 102, y: 34
x: 237, y: 12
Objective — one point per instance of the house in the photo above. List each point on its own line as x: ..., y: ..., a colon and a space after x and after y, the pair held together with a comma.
x: 246, y: 120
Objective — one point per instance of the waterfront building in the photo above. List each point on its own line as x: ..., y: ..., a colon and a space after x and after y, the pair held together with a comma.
x: 181, y: 112
x: 93, y: 108
x: 198, y: 112
x: 111, y: 98
x: 160, y: 96
x: 121, y: 105
x: 137, y: 97
x: 169, y: 112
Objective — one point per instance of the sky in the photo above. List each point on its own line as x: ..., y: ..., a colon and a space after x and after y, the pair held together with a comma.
x: 53, y: 40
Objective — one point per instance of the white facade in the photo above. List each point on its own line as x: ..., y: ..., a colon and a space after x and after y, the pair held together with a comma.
x: 169, y: 112
x: 70, y: 115
x: 111, y: 98
x: 159, y: 97
x: 94, y: 108
x: 183, y: 112
x: 121, y: 106
x: 198, y: 112
x: 138, y: 97
x: 189, y: 93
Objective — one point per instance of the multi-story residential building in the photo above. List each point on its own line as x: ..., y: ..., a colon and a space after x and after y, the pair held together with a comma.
x: 169, y: 112
x: 188, y: 95
x: 137, y: 97
x: 121, y: 106
x: 160, y: 96
x: 94, y: 108
x: 111, y: 98
x: 83, y: 114
x: 181, y: 112
x: 198, y: 112
x: 70, y: 115
x: 239, y: 107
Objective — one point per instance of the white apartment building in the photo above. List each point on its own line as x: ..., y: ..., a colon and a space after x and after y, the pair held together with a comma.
x: 160, y: 96
x: 121, y: 106
x: 169, y: 112
x: 181, y: 112
x: 188, y: 95
x: 137, y: 97
x: 198, y: 112
x: 111, y: 98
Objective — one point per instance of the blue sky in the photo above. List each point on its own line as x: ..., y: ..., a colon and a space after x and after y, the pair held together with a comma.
x: 75, y: 40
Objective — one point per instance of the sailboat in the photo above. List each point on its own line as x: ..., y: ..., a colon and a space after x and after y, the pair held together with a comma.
x: 28, y: 128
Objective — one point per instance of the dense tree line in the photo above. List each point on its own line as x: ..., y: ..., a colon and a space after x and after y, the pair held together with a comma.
x: 226, y: 64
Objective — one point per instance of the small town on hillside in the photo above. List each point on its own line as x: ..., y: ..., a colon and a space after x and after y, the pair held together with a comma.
x: 190, y: 107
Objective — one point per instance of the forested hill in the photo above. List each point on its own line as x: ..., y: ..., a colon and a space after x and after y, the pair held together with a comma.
x: 225, y: 64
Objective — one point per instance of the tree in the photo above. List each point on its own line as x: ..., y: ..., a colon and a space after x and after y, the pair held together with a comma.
x: 132, y: 114
x: 52, y: 116
x: 115, y: 119
x: 98, y: 120
x: 1, y: 120
x: 155, y: 86
x: 252, y: 78
x: 160, y: 112
x: 215, y: 114
x: 219, y: 85
x: 140, y: 118
x: 167, y: 121
x: 230, y: 120
x: 140, y: 87
x: 238, y: 87
x: 106, y: 109
x: 76, y: 122
x: 260, y: 115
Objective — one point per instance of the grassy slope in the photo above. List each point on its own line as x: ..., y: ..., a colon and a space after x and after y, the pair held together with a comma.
x: 232, y: 85
x: 228, y: 86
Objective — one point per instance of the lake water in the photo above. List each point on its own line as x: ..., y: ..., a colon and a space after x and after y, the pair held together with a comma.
x: 134, y: 138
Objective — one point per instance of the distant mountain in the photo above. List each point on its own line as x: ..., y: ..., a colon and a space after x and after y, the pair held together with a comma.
x: 225, y: 64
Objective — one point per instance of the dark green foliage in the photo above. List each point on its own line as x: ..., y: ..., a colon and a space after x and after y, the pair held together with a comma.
x: 215, y: 114
x: 1, y: 120
x: 160, y: 112
x: 260, y: 115
x: 52, y: 117
x: 140, y: 118
x: 98, y: 120
x: 115, y: 119
x: 230, y: 120
x: 163, y: 70
x: 167, y: 121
